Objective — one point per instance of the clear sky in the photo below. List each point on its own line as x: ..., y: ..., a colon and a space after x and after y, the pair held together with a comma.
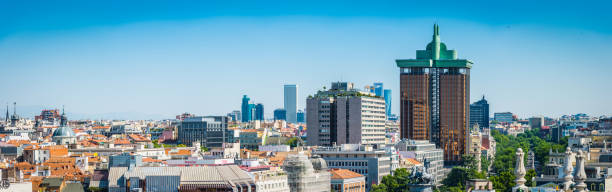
x: 156, y: 59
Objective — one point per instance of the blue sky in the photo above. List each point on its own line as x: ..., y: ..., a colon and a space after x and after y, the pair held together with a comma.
x: 155, y: 59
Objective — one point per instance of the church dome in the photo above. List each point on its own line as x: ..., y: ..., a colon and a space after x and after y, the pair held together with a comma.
x: 64, y: 131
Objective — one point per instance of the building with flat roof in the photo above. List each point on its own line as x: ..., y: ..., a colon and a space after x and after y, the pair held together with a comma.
x: 290, y: 102
x: 343, y: 115
x: 362, y: 159
x: 426, y: 153
x: 503, y: 117
x: 209, y: 131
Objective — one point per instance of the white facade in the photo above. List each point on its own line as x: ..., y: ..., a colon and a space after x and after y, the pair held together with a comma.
x: 275, y: 148
x: 271, y: 181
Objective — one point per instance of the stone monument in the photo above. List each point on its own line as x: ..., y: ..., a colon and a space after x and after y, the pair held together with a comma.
x: 519, y: 172
x: 580, y: 175
x: 567, y: 170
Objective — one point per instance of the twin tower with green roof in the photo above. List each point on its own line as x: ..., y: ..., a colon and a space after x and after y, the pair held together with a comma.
x: 434, y: 98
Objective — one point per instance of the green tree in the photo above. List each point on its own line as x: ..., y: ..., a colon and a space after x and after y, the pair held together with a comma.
x: 399, y: 181
x: 379, y: 188
x: 292, y: 142
x: 203, y: 149
x: 484, y: 163
x: 449, y: 189
x: 503, y: 182
x: 181, y: 145
x: 156, y: 144
x: 529, y: 177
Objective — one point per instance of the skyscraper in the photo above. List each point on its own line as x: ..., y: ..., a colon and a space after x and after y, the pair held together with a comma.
x: 387, y: 95
x: 246, y: 109
x: 291, y: 103
x: 280, y: 114
x: 259, y: 112
x: 434, y: 96
x: 300, y: 116
x: 479, y: 113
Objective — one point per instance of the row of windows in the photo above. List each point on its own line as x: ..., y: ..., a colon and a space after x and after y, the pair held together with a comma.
x: 348, y: 163
x: 373, y: 102
x: 373, y: 116
x: 273, y: 185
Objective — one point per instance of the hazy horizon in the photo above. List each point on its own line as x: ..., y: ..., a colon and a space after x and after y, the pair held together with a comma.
x: 139, y: 60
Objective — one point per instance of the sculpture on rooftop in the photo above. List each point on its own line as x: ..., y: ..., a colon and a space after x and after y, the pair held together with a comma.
x: 419, y: 175
x: 580, y: 174
x: 520, y: 172
x: 567, y: 170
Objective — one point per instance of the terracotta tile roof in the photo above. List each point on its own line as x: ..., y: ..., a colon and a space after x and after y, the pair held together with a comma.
x: 412, y: 161
x: 343, y: 174
x: 24, y: 166
x: 18, y: 142
x: 150, y: 160
x: 54, y: 147
x: 101, y: 127
x: 248, y: 130
x: 138, y: 138
x: 122, y: 142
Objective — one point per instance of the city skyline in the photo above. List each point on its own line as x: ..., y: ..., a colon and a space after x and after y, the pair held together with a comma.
x: 85, y: 66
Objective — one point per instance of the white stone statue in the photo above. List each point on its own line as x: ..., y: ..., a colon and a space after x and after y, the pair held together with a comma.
x: 519, y: 172
x: 567, y: 170
x: 580, y: 175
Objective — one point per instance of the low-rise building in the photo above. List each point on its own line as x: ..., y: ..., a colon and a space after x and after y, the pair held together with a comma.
x: 344, y: 180
x: 362, y: 159
x: 424, y: 152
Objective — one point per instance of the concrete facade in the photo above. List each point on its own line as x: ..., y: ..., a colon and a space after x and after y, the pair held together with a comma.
x: 341, y: 116
x: 362, y: 159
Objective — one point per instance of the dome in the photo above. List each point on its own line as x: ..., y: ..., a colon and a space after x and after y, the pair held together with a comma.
x: 63, y: 132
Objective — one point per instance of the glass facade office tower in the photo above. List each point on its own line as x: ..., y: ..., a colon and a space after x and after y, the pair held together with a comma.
x: 209, y: 131
x: 300, y: 116
x: 387, y: 95
x: 291, y: 103
x: 259, y: 112
x: 247, y: 109
x: 279, y: 114
x: 479, y: 113
x: 434, y: 98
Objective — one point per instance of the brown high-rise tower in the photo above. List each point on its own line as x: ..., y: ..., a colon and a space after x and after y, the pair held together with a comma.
x: 434, y: 94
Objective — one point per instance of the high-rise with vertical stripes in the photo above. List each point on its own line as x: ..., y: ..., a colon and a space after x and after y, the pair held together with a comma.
x: 434, y: 98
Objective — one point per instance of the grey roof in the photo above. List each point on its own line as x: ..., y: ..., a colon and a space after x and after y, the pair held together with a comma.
x: 143, y: 172
x: 73, y: 187
x: 64, y: 131
x: 219, y: 175
x: 52, y: 181
x: 115, y: 176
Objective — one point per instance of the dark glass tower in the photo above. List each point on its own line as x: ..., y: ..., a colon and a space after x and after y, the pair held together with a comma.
x: 259, y: 112
x: 247, y: 109
x: 434, y: 98
x: 479, y: 113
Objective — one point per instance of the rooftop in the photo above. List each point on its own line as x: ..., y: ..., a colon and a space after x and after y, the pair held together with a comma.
x: 343, y: 174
